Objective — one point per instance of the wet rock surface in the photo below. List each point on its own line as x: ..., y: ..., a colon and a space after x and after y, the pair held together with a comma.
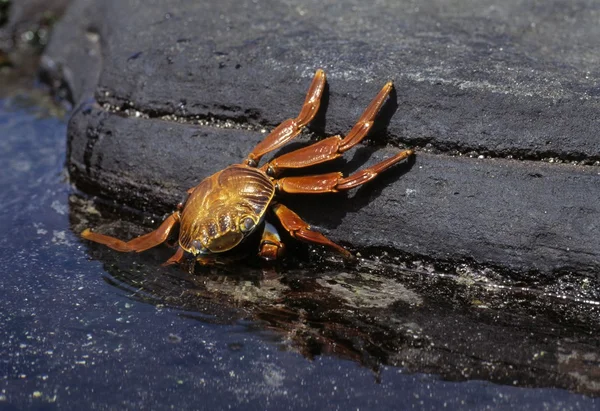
x: 85, y: 327
x: 376, y: 313
x: 493, y: 96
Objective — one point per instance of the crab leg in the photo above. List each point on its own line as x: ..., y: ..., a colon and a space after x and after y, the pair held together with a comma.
x: 141, y: 243
x: 300, y: 230
x: 290, y: 128
x: 176, y: 258
x: 332, y: 147
x: 334, y: 182
x: 271, y: 246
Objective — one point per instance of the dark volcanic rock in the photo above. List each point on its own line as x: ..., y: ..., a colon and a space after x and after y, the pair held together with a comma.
x: 517, y: 79
x: 520, y: 215
x: 511, y: 80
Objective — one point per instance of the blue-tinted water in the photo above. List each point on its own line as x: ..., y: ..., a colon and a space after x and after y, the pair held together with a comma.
x: 72, y: 338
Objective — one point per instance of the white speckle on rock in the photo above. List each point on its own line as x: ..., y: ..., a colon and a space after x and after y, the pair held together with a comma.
x: 60, y: 237
x: 60, y: 208
x: 274, y: 376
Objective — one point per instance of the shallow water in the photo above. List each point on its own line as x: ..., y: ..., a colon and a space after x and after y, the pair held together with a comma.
x: 87, y: 327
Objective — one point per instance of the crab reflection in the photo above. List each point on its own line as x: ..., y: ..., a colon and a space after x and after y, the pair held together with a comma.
x: 372, y: 314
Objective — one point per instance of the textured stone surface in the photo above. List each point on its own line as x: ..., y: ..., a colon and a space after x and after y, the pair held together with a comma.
x: 504, y: 80
x: 518, y: 78
x: 520, y: 215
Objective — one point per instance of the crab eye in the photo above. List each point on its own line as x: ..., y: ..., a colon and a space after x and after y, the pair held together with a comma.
x: 247, y: 225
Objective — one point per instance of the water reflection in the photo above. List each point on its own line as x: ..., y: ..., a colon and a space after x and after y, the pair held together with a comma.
x: 373, y: 314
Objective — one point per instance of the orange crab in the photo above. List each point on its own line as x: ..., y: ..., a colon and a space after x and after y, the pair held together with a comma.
x: 228, y: 206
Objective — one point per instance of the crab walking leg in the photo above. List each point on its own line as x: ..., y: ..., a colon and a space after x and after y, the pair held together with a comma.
x: 141, y: 243
x: 290, y: 128
x: 334, y: 182
x: 271, y: 247
x: 300, y: 230
x: 176, y: 258
x: 332, y: 147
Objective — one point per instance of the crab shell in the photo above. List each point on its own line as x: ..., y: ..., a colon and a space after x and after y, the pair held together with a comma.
x: 225, y: 208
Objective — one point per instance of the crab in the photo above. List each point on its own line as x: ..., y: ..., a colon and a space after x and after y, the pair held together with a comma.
x: 227, y: 207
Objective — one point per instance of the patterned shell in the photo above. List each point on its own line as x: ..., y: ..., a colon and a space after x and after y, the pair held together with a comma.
x: 220, y: 204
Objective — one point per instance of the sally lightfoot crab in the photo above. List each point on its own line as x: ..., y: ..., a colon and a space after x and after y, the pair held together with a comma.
x: 228, y: 206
